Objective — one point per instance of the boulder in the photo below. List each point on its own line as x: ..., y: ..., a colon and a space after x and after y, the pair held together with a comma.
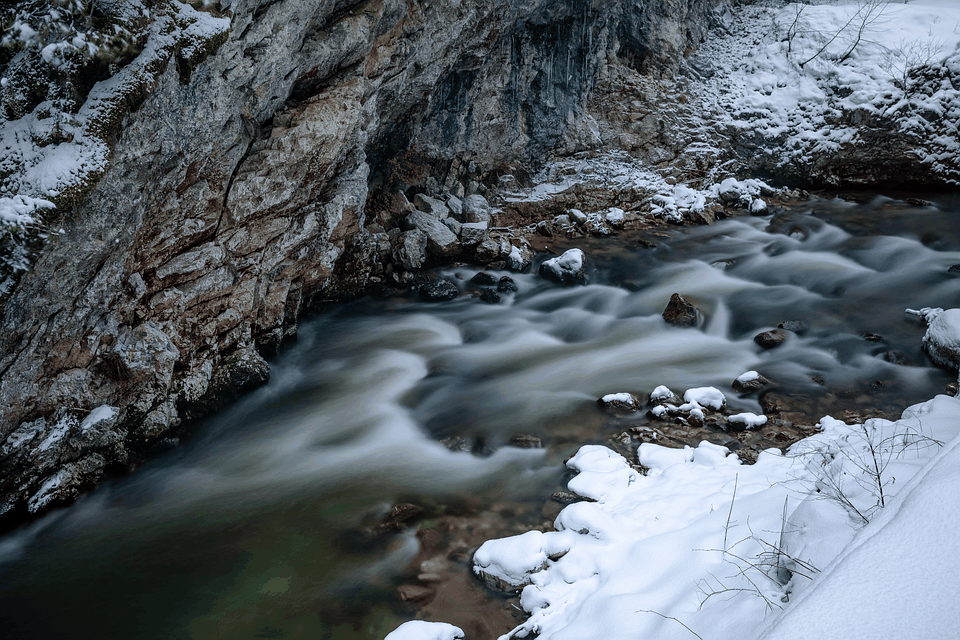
x: 566, y: 269
x: 454, y: 226
x: 615, y: 217
x: 476, y: 209
x: 507, y: 285
x: 455, y: 205
x: 438, y: 290
x: 680, y: 312
x: 473, y: 233
x: 520, y: 258
x: 483, y: 278
x: 440, y: 240
x: 433, y: 206
x: 488, y: 250
x: 758, y: 207
x: 942, y: 339
x: 770, y: 339
x: 490, y: 296
x: 410, y: 249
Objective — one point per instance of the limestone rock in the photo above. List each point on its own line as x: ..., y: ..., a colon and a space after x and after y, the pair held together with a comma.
x: 410, y: 249
x: 476, y: 209
x: 473, y: 233
x: 433, y: 206
x: 441, y: 241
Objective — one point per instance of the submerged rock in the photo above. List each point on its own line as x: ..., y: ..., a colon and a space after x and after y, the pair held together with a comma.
x: 680, y: 312
x: 438, y: 290
x: 566, y: 269
x: 798, y: 327
x: 507, y: 285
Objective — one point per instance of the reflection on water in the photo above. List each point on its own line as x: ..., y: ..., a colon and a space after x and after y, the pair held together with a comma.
x: 253, y: 529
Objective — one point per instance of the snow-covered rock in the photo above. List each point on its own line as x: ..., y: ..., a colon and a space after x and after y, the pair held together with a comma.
x: 567, y: 268
x: 942, y: 339
x: 746, y: 421
x: 424, y: 630
x: 619, y: 402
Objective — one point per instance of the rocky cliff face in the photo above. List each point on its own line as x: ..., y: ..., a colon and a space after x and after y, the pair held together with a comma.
x: 238, y: 196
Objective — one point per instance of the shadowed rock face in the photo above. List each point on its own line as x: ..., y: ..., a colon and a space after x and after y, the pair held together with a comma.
x: 236, y: 201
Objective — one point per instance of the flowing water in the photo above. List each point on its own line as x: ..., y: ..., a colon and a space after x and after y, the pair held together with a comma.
x: 263, y: 523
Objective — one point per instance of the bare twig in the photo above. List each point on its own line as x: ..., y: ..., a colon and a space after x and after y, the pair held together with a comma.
x: 671, y: 618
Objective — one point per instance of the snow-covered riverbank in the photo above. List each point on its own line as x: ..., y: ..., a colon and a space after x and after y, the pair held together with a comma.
x: 849, y: 534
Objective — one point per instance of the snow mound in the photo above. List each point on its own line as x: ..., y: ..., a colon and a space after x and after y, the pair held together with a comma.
x: 423, y: 630
x: 706, y: 397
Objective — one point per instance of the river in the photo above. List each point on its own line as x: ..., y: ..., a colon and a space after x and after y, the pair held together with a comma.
x: 262, y: 524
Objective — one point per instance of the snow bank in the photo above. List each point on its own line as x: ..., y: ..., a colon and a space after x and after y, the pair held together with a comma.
x: 792, y: 73
x: 701, y: 543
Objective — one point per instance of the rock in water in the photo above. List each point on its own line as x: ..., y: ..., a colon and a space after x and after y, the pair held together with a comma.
x: 507, y: 285
x: 749, y: 381
x: 942, y: 339
x: 438, y: 290
x: 619, y: 402
x: 565, y: 269
x: 441, y: 241
x: 490, y: 296
x: 770, y: 339
x: 798, y: 327
x: 483, y: 278
x: 680, y: 312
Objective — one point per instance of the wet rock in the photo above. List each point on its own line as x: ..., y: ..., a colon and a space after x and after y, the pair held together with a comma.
x: 770, y: 339
x: 873, y: 337
x: 476, y: 209
x: 401, y: 515
x: 490, y: 296
x: 749, y: 382
x: 896, y: 357
x: 954, y: 268
x: 456, y: 443
x: 619, y: 402
x: 952, y: 389
x: 410, y: 249
x: 507, y: 285
x: 524, y: 441
x: 433, y: 206
x: 474, y: 233
x: 680, y: 312
x: 798, y: 327
x: 441, y: 241
x: 438, y: 290
x: 483, y: 278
